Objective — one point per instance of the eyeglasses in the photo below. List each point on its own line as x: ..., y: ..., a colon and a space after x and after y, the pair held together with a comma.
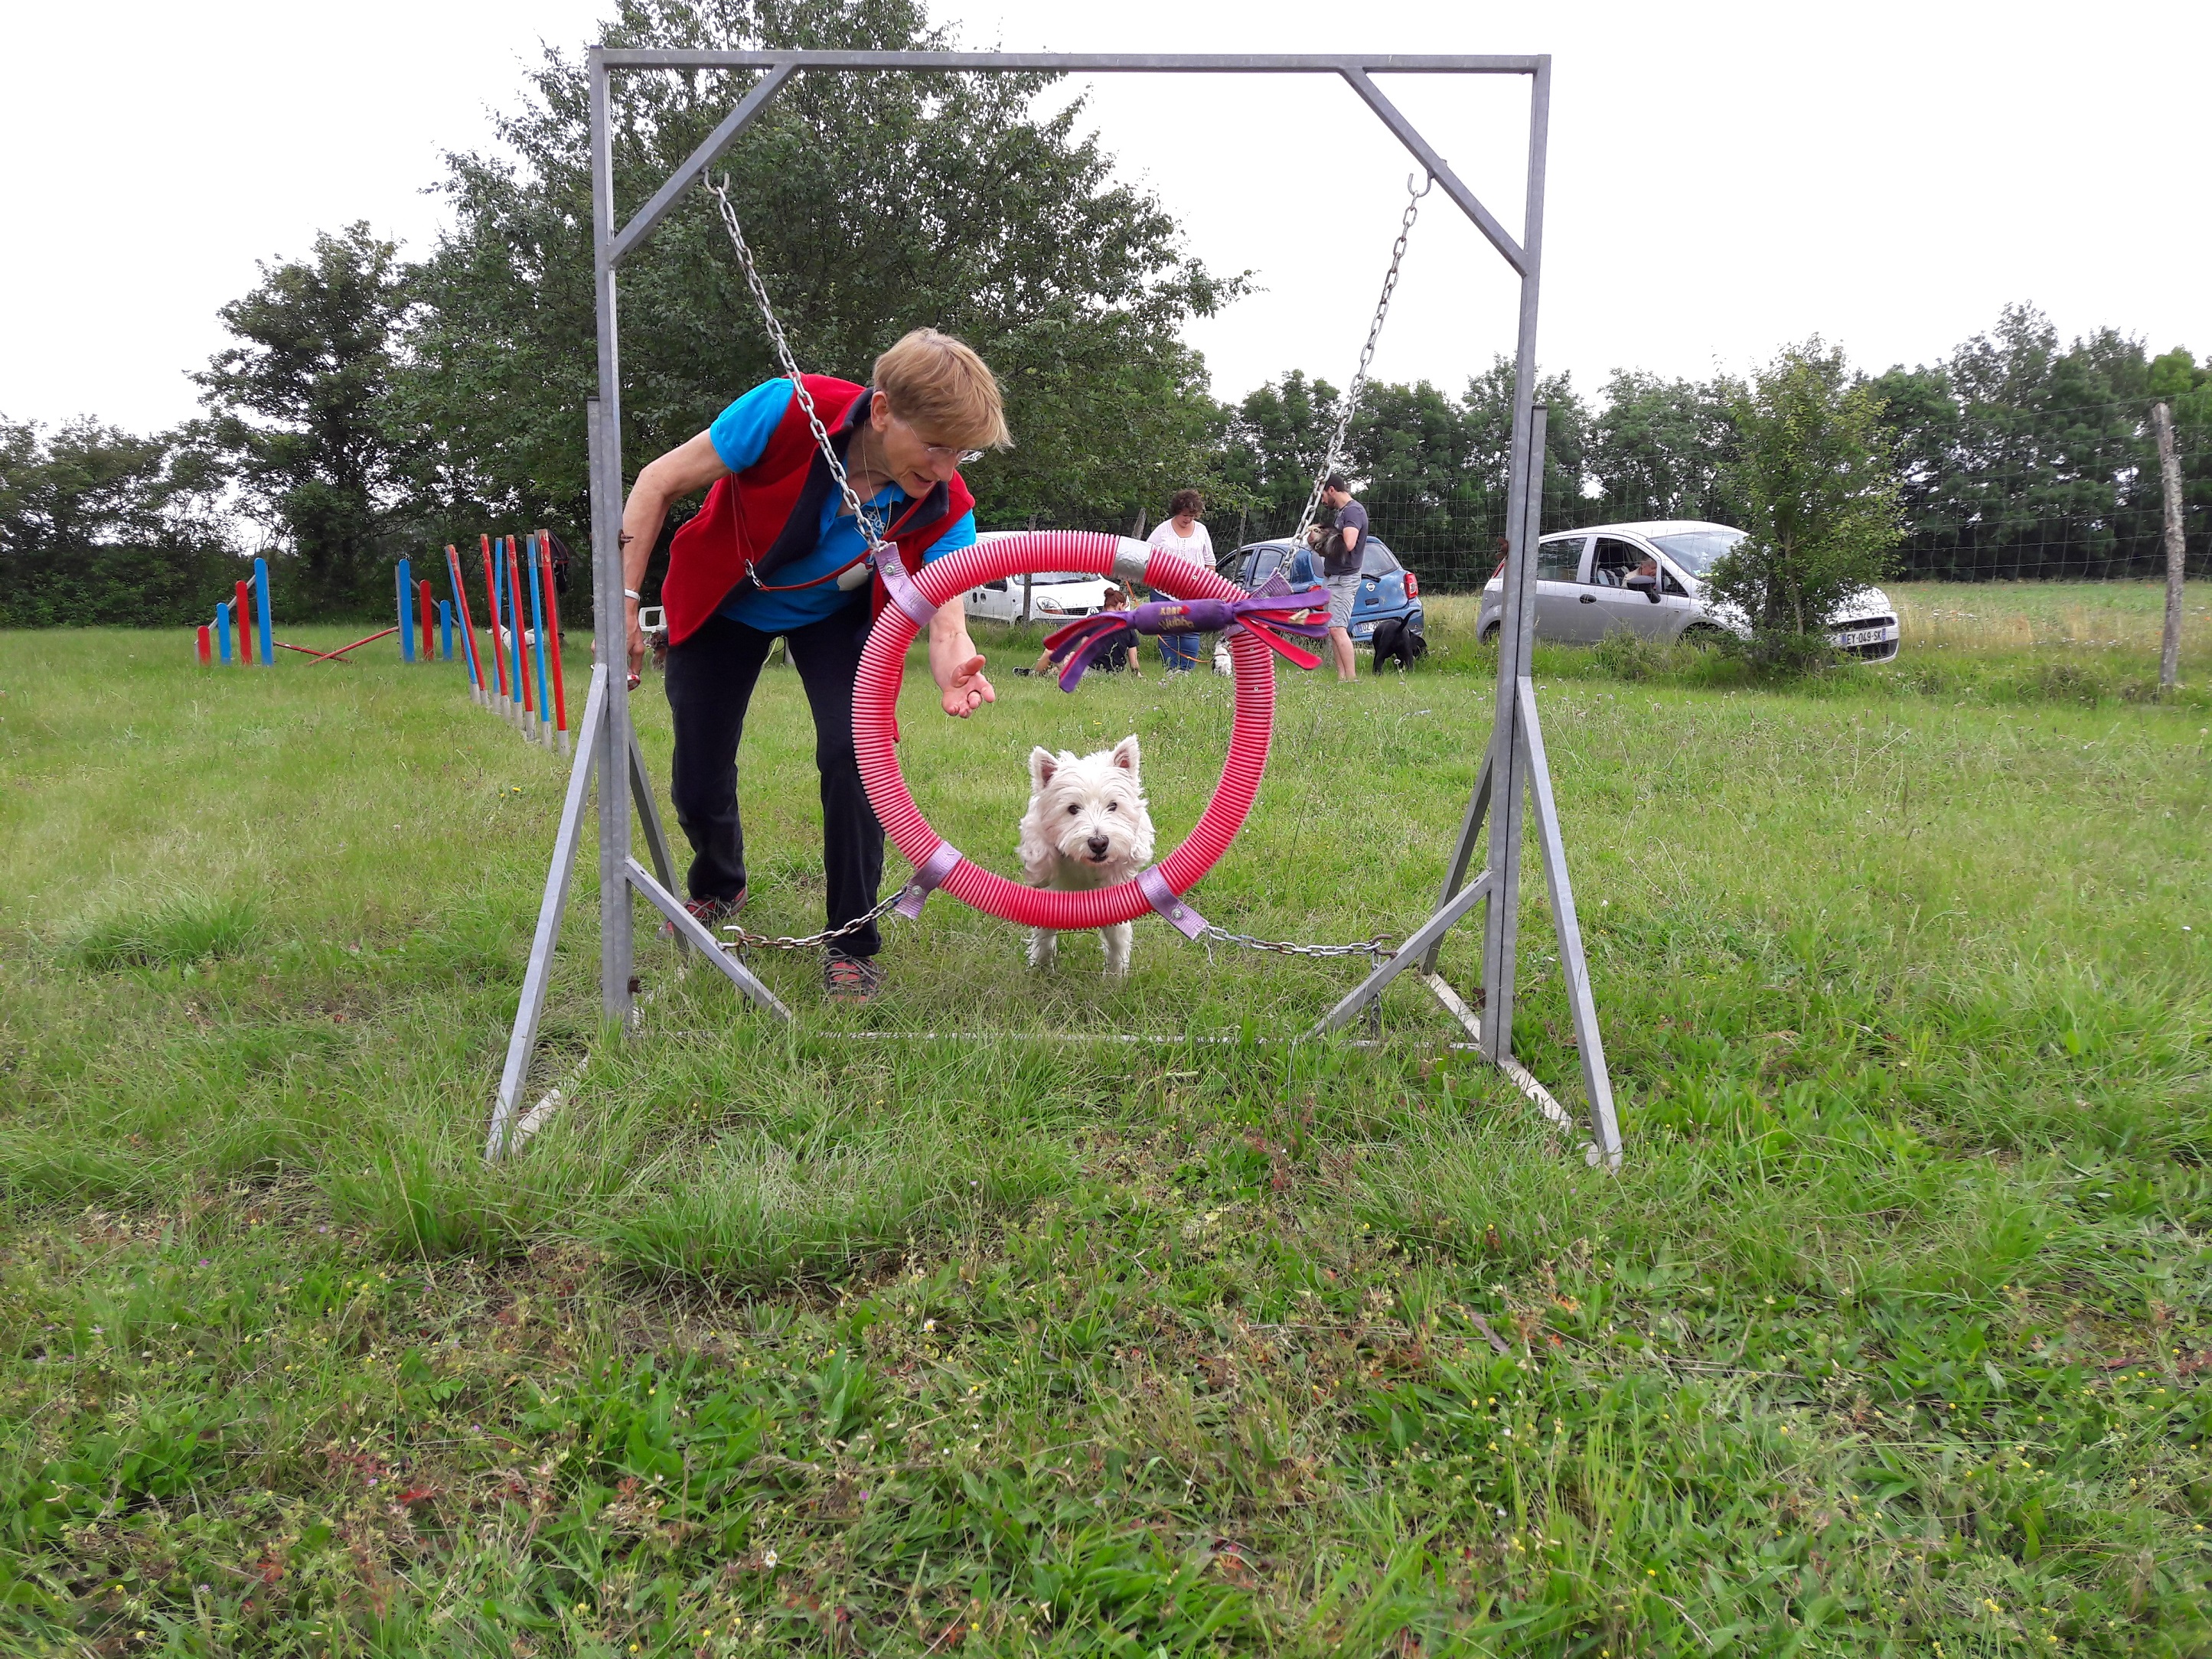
x: 943, y: 451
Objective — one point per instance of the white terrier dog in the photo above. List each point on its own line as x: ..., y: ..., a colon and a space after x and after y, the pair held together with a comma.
x: 1086, y: 828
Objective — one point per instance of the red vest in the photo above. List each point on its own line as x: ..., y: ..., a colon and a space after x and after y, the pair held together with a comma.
x: 757, y: 521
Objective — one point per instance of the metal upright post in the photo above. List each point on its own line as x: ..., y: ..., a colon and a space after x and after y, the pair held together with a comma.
x: 616, y: 945
x: 1517, y: 622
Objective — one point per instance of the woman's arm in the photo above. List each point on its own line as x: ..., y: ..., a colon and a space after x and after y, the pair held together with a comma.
x: 955, y: 663
x: 689, y: 467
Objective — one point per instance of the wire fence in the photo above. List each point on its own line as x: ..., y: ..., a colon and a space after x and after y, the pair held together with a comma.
x: 1986, y: 495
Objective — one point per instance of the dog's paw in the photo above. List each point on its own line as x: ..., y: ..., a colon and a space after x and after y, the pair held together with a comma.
x: 1044, y: 949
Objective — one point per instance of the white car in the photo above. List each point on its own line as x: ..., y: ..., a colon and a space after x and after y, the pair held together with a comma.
x: 1054, y: 596
x: 1588, y: 583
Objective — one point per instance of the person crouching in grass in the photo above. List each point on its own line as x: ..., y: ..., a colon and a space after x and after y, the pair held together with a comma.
x: 774, y: 550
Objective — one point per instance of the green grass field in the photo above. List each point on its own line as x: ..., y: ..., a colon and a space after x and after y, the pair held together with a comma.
x: 1891, y: 1336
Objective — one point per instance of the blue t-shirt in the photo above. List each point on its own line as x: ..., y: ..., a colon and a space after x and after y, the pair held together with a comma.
x: 740, y: 435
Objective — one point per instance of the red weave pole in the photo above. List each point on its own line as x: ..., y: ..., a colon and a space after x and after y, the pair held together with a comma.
x: 514, y: 590
x: 427, y: 607
x: 206, y: 645
x: 875, y: 704
x: 552, y: 629
x: 491, y: 620
x: 468, y: 627
x: 241, y: 611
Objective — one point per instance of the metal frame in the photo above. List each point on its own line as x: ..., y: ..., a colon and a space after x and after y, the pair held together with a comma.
x: 1514, y: 767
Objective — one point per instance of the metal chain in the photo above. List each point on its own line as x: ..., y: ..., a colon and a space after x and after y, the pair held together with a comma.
x: 1377, y: 947
x: 871, y: 532
x: 1366, y: 354
x: 745, y: 941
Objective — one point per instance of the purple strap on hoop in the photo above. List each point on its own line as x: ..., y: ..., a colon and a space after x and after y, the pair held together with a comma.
x: 902, y: 592
x: 1165, y: 900
x: 927, y: 880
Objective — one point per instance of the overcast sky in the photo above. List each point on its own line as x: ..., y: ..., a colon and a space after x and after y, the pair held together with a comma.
x: 1724, y: 178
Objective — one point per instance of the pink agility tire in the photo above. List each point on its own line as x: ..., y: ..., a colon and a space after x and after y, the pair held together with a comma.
x: 875, y: 703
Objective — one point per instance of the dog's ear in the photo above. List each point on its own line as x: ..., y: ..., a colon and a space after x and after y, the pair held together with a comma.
x: 1041, y: 767
x: 1125, y: 754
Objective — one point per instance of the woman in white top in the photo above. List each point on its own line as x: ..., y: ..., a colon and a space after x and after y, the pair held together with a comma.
x: 1181, y: 534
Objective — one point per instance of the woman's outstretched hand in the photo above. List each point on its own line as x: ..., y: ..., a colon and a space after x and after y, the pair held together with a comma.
x: 967, y: 690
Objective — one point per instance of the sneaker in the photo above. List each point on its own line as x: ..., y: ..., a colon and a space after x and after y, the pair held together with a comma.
x: 853, y: 979
x: 708, y: 913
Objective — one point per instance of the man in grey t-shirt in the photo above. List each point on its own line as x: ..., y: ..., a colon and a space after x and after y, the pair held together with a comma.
x: 1340, y: 553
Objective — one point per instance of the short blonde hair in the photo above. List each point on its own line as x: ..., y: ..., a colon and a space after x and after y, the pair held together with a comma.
x: 934, y: 382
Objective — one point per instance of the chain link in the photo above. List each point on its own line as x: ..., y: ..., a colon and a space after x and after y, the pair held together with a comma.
x: 1377, y: 947
x: 871, y: 532
x: 745, y: 941
x: 1366, y: 355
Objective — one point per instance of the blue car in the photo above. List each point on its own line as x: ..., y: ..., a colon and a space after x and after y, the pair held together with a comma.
x: 1386, y: 612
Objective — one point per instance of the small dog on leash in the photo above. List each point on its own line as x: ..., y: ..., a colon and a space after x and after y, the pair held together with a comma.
x: 1086, y: 828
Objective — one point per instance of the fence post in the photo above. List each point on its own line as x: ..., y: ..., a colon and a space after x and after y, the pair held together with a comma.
x: 2169, y: 470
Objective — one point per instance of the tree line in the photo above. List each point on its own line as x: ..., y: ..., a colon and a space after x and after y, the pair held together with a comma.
x: 371, y: 406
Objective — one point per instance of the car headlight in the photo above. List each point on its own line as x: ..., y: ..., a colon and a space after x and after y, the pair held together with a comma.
x: 1052, y: 605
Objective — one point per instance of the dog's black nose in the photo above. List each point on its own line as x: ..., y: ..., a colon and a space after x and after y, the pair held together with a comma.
x: 1098, y: 846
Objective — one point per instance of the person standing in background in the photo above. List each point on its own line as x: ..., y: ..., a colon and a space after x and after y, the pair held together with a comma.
x: 1182, y: 534
x: 1339, y: 569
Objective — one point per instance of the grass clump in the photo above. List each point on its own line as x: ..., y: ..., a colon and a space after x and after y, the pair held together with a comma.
x: 175, y: 932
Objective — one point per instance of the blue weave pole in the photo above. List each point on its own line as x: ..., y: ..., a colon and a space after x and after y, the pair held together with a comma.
x: 537, y: 634
x: 406, y: 622
x: 222, y: 628
x: 446, y: 627
x: 261, y: 606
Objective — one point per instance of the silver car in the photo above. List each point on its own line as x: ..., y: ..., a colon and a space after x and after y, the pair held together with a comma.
x: 1649, y: 579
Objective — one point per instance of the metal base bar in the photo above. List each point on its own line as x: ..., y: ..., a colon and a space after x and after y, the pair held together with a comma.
x: 687, y: 926
x: 1369, y: 990
x: 1470, y: 830
x: 523, y: 1041
x: 1597, y: 1086
x: 656, y: 838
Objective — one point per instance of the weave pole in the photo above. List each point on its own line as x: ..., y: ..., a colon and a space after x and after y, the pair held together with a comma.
x: 468, y: 626
x: 242, y: 611
x: 553, y: 622
x: 261, y: 611
x: 425, y: 608
x: 223, y: 630
x: 491, y: 620
x: 206, y: 645
x: 528, y: 704
x: 405, y: 579
x: 543, y: 730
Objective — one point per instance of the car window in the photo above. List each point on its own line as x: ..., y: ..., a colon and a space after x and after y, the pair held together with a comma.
x: 1668, y: 584
x: 1265, y: 562
x: 1613, y: 560
x: 1376, y: 560
x: 1557, y: 557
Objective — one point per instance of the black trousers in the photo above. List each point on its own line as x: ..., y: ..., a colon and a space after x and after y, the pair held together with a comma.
x: 710, y: 678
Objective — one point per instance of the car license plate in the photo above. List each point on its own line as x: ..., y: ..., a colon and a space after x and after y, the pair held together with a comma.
x: 1363, y: 630
x: 1853, y: 636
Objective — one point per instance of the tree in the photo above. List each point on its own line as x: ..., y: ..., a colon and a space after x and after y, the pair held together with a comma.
x: 1811, y: 481
x: 1274, y: 444
x: 874, y: 203
x: 300, y: 409
x: 99, y: 525
x: 1656, y: 449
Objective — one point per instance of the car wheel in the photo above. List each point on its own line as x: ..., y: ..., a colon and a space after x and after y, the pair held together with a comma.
x: 1488, y: 638
x: 1702, y: 636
